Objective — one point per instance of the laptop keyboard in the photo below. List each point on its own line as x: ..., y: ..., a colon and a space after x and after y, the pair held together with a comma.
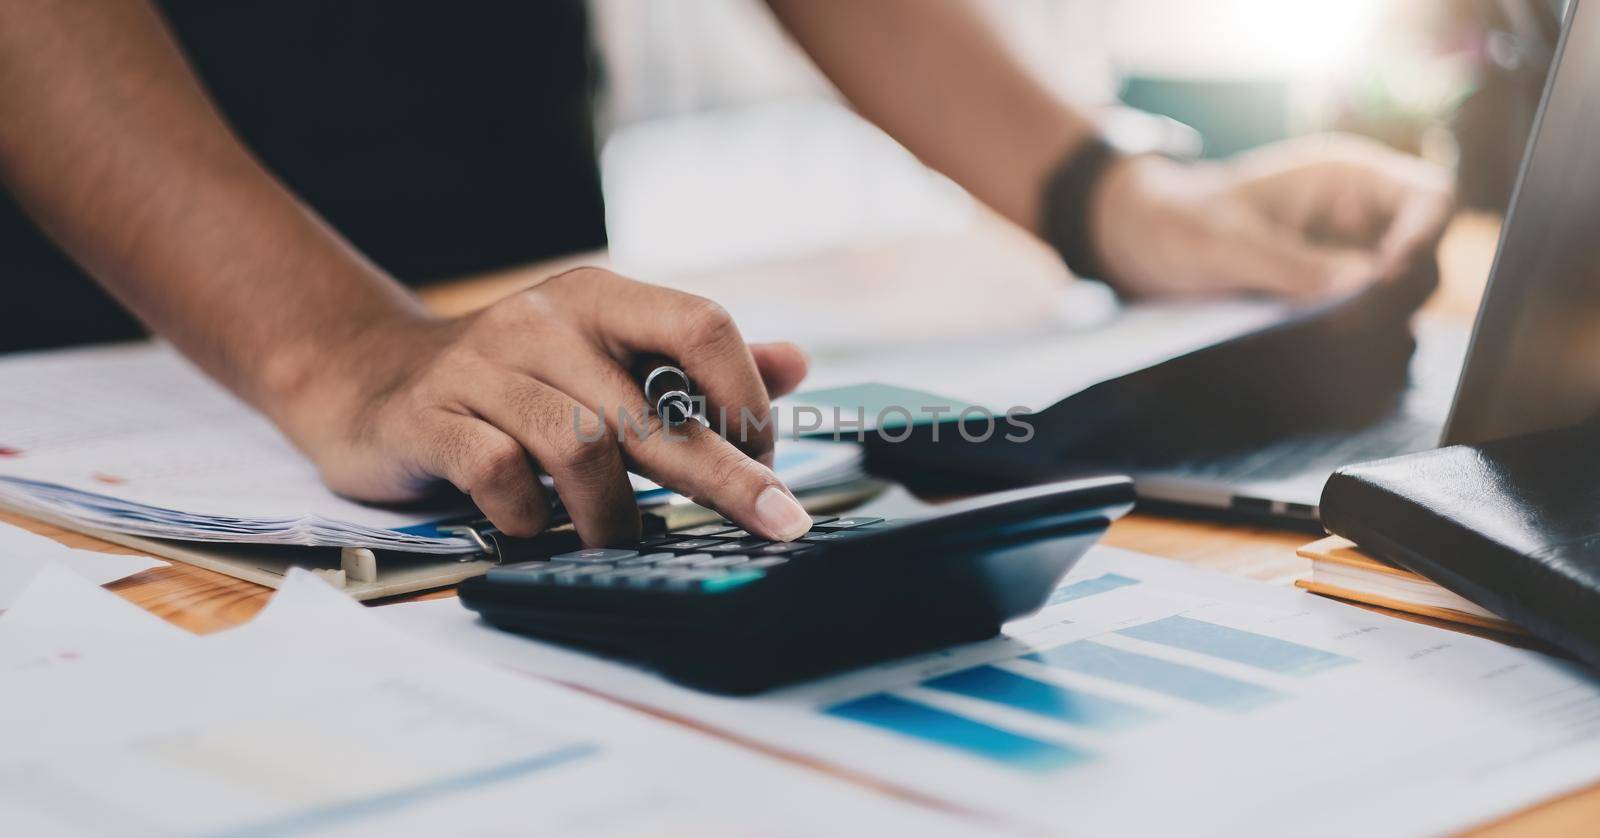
x: 1318, y: 453
x: 1416, y: 426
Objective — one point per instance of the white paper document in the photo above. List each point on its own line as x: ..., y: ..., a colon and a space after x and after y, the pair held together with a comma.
x: 63, y: 620
x: 321, y: 718
x: 1003, y: 372
x: 23, y: 554
x: 1152, y: 698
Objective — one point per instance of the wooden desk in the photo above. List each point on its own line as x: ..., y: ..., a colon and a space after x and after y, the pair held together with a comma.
x: 203, y: 601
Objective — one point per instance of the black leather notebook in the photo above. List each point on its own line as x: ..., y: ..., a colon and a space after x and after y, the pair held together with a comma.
x: 1513, y: 525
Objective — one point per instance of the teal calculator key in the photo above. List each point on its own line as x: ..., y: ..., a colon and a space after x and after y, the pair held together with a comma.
x: 733, y: 579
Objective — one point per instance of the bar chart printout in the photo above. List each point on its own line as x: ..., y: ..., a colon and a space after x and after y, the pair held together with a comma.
x: 1147, y: 694
x: 1025, y: 685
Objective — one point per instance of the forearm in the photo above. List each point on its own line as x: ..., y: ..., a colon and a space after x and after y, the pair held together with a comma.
x: 933, y: 74
x: 110, y: 143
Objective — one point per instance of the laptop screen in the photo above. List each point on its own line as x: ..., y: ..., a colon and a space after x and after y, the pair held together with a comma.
x: 1535, y: 358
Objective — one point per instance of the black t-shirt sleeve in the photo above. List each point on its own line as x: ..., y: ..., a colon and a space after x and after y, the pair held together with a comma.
x: 441, y: 139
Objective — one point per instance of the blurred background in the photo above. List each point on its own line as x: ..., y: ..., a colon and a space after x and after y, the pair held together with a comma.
x: 724, y: 146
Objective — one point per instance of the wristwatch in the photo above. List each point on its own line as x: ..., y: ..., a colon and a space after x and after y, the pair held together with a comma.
x: 1070, y: 189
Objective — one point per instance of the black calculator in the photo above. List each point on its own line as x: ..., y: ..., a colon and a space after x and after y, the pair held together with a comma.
x: 719, y: 609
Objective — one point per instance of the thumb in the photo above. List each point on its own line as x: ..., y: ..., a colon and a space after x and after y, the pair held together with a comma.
x: 782, y: 366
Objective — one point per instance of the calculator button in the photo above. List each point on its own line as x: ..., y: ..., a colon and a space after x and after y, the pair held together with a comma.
x: 527, y: 573
x: 596, y: 554
x: 578, y: 575
x: 649, y: 579
x: 845, y: 524
x: 726, y: 547
x: 645, y: 560
x: 685, y: 560
x: 763, y: 563
x: 618, y: 577
x: 694, y: 544
x: 707, y: 561
x: 783, y: 549
x: 734, y: 534
x: 690, y: 580
x: 825, y: 537
x: 706, y: 529
x: 539, y: 565
x: 721, y: 561
x: 730, y: 581
x: 657, y: 540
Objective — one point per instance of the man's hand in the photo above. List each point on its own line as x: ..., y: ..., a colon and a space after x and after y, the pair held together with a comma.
x: 488, y: 401
x: 1305, y: 218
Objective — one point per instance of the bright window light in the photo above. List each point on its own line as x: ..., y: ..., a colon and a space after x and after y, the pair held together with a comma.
x: 1253, y: 38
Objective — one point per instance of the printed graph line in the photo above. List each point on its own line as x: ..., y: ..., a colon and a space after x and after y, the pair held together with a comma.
x: 1090, y: 587
x: 958, y: 733
x: 1246, y: 647
x: 1052, y: 701
x: 1177, y: 680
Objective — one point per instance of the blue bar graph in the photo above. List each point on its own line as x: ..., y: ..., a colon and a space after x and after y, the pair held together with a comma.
x: 1237, y: 645
x: 1031, y: 695
x: 969, y: 736
x: 1090, y: 587
x: 1098, y: 660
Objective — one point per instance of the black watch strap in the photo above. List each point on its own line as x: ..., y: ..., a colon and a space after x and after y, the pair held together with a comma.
x: 1066, y: 212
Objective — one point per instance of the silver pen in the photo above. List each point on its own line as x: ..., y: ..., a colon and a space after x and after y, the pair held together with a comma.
x: 667, y: 389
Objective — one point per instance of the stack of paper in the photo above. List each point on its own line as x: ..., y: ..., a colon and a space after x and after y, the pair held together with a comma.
x: 319, y: 718
x: 132, y: 439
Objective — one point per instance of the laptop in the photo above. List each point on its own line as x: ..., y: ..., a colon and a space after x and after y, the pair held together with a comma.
x: 1531, y: 362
